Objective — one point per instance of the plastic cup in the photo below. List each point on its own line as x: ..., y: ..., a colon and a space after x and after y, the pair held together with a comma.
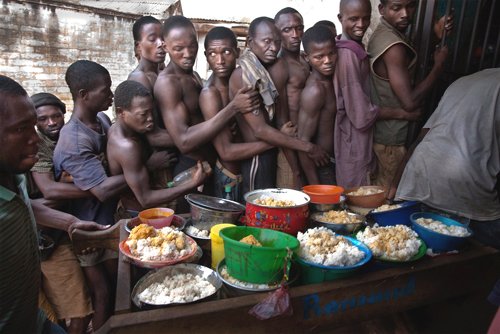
x: 217, y: 243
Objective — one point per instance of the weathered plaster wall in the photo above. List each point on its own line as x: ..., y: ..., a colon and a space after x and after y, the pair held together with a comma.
x: 39, y: 42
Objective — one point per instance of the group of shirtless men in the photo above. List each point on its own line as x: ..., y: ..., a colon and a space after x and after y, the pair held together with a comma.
x: 283, y: 117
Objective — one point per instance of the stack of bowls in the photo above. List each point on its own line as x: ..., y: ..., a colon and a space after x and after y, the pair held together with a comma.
x: 324, y: 197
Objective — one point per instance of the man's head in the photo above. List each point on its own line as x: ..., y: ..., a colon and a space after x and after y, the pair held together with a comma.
x: 148, y: 39
x: 398, y: 13
x: 18, y: 138
x: 49, y: 114
x: 180, y: 41
x: 221, y: 50
x: 320, y: 50
x: 355, y: 16
x: 134, y: 106
x: 329, y: 24
x: 264, y: 39
x: 291, y: 26
x: 90, y: 83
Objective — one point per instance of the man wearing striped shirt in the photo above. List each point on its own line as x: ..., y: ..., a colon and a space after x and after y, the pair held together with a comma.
x: 20, y: 262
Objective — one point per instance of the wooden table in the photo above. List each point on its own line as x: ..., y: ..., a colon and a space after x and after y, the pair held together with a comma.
x: 319, y: 306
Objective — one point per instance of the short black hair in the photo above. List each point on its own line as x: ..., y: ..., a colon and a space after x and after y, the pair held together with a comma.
x: 176, y: 21
x: 83, y: 74
x: 219, y: 33
x: 286, y: 10
x: 343, y: 3
x: 326, y: 23
x: 316, y: 34
x: 9, y: 87
x: 126, y: 91
x: 141, y: 22
x: 256, y: 22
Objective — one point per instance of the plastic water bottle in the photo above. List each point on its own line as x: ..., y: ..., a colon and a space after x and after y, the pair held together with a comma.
x: 186, y: 175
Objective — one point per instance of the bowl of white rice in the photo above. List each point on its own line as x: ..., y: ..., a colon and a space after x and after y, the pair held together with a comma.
x: 325, y: 256
x: 441, y: 234
x: 178, y: 284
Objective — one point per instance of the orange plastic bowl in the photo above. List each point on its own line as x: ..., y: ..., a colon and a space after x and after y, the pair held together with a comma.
x: 323, y: 193
x: 157, y: 217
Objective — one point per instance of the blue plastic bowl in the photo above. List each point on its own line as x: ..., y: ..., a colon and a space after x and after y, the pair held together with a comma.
x: 316, y: 273
x: 397, y: 216
x: 438, y: 242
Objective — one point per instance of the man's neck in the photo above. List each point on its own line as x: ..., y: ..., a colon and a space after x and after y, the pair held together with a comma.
x: 288, y: 54
x: 8, y: 181
x: 173, y: 68
x: 147, y: 66
x: 320, y: 77
x: 85, y: 116
x: 221, y: 82
x: 346, y: 37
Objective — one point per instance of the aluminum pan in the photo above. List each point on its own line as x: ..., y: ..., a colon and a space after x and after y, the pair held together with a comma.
x: 160, y: 274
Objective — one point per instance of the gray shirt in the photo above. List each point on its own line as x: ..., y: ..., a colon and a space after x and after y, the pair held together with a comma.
x: 455, y: 167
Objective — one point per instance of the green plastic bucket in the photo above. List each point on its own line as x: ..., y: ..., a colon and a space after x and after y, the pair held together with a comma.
x: 256, y: 264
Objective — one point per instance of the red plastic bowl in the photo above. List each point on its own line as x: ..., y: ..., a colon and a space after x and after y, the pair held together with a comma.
x: 323, y: 193
x: 157, y: 217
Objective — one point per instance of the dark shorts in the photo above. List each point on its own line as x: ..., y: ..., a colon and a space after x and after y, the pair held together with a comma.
x: 326, y: 174
x: 223, y: 177
x: 259, y: 172
x: 487, y: 232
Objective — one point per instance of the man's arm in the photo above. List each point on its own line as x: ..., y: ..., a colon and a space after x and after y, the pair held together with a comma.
x: 49, y: 217
x: 112, y: 186
x: 396, y: 64
x: 267, y: 133
x: 53, y: 190
x: 311, y: 103
x: 168, y: 93
x: 159, y: 137
x: 128, y: 156
x: 399, y: 172
x: 210, y: 105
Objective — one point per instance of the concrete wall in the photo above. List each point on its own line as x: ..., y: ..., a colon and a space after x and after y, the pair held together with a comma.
x: 39, y: 42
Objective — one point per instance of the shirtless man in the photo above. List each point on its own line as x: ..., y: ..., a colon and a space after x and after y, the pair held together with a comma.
x: 221, y: 51
x: 291, y: 26
x: 264, y: 42
x: 127, y: 149
x: 149, y: 46
x: 177, y: 91
x: 148, y: 43
x: 317, y: 102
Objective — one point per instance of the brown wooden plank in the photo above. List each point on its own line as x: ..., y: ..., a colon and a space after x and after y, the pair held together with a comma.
x: 123, y: 287
x: 329, y: 304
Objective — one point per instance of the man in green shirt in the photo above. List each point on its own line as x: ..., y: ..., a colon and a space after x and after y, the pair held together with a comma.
x: 20, y: 262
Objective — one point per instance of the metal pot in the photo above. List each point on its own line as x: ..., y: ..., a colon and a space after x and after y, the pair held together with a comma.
x: 288, y: 219
x: 207, y: 211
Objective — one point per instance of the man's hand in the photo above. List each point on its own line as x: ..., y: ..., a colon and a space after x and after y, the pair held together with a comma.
x: 411, y: 116
x: 289, y: 129
x: 86, y: 226
x: 444, y: 25
x: 201, y: 173
x: 66, y: 177
x: 246, y: 100
x: 319, y: 155
x: 161, y: 160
